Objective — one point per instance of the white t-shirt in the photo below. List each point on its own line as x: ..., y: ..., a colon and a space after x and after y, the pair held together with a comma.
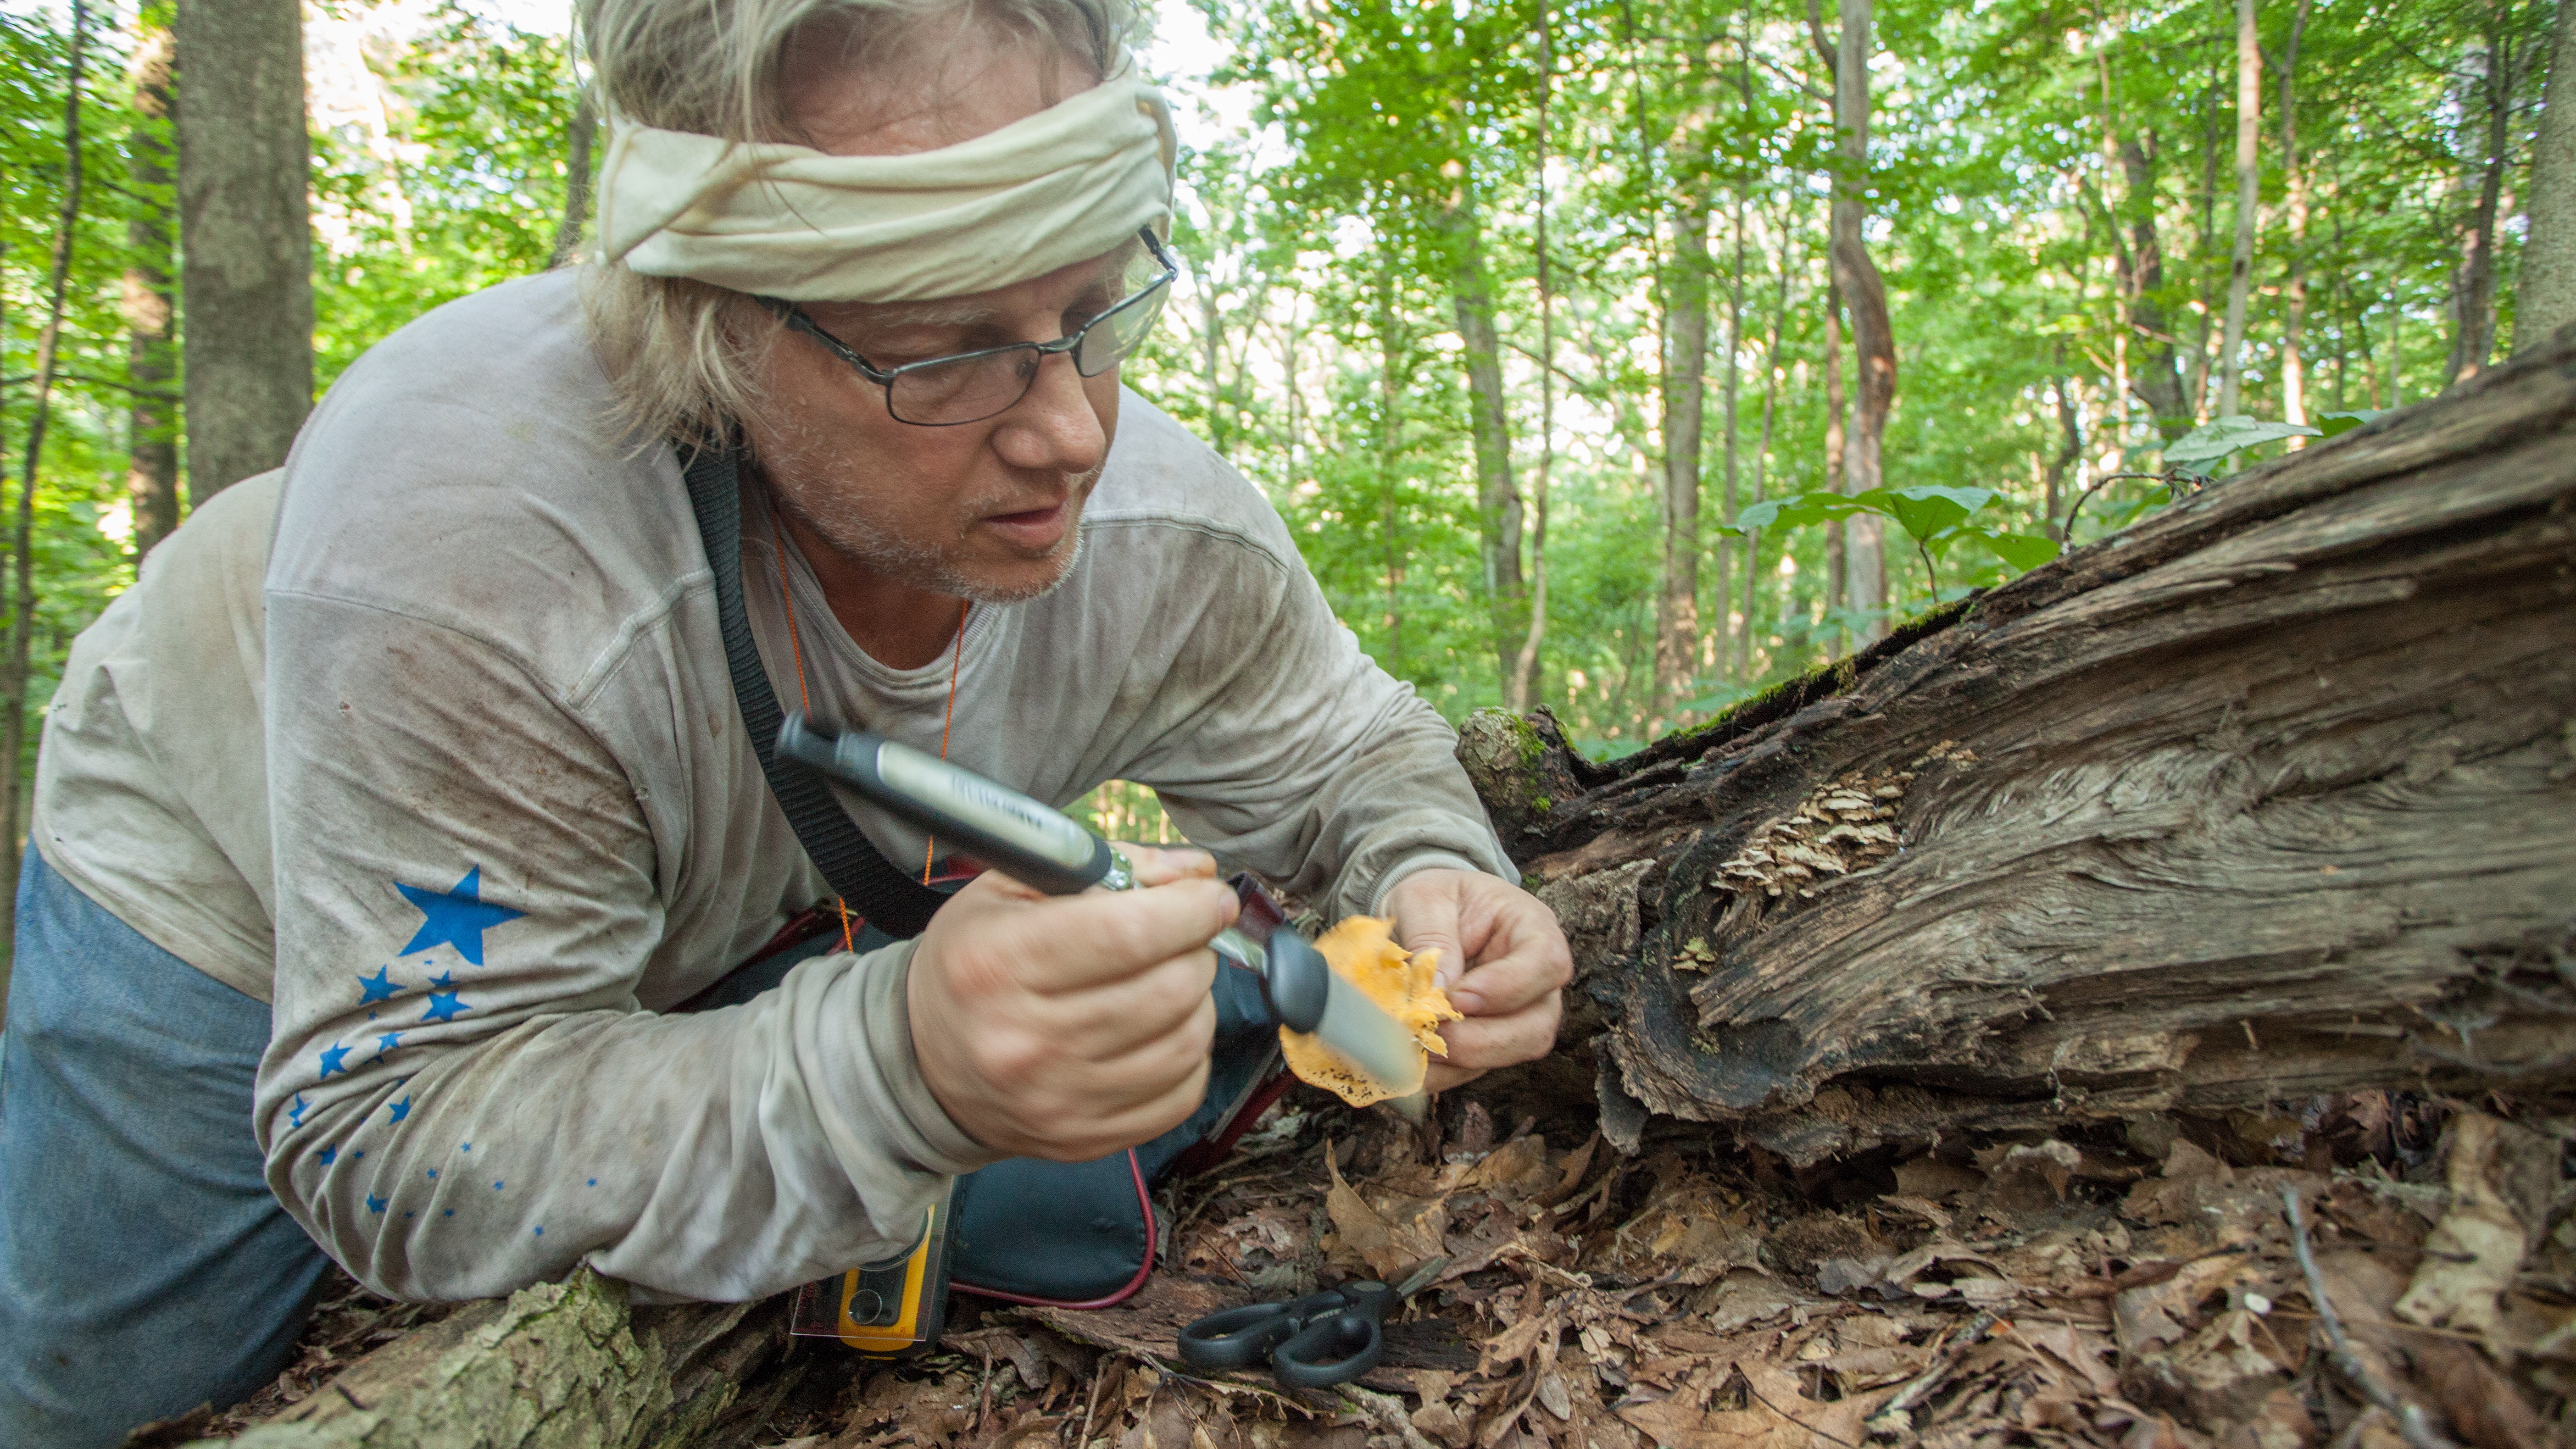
x: 464, y: 792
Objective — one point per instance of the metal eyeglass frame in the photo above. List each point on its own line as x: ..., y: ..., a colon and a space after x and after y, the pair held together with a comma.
x: 1152, y: 294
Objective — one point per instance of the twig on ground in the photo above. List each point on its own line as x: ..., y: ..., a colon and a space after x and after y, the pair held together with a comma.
x: 984, y: 1393
x: 1785, y: 1414
x: 1091, y: 1405
x: 1920, y: 1387
x: 2359, y: 1426
x: 1388, y: 1411
x: 2411, y: 1423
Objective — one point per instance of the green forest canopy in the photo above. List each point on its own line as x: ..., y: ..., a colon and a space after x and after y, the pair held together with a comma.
x: 1363, y: 175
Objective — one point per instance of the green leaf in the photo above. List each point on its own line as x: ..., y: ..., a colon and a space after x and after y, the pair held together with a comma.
x: 2023, y: 551
x: 1970, y: 499
x: 1800, y: 512
x: 1927, y: 510
x: 2220, y: 438
x: 2335, y: 425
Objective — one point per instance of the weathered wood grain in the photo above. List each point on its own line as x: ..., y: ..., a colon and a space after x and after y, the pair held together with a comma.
x: 2272, y: 794
x: 555, y: 1366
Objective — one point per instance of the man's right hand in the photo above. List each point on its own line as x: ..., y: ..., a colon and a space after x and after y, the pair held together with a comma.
x: 1068, y: 1027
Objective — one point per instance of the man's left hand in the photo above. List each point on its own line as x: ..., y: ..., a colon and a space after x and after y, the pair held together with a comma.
x: 1503, y: 961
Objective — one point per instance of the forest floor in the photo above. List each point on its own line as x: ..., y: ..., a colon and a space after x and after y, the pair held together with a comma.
x: 2138, y: 1286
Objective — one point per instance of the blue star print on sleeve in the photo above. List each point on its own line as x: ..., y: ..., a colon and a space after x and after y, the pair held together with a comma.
x: 334, y: 1059
x: 444, y: 1005
x: 456, y: 917
x: 379, y: 987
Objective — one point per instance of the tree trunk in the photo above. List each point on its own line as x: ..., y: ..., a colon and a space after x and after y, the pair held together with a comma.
x: 1728, y: 499
x: 1211, y: 360
x: 151, y: 305
x: 246, y: 239
x: 1744, y: 670
x: 1390, y: 450
x: 2546, y: 297
x: 2240, y: 268
x: 2159, y: 382
x: 1837, y: 410
x: 1873, y: 344
x: 2294, y: 298
x: 584, y: 134
x: 2474, y: 341
x: 1498, y: 497
x: 14, y: 668
x: 2198, y: 382
x: 2069, y: 453
x: 1523, y: 685
x: 2274, y: 794
x: 1685, y: 391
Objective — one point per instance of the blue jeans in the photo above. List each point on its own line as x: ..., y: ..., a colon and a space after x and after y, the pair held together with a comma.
x: 145, y: 1268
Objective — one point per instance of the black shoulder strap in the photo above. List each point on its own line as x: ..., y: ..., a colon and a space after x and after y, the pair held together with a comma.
x: 890, y: 900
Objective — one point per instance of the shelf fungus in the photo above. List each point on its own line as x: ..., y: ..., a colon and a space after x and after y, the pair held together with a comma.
x: 1845, y: 826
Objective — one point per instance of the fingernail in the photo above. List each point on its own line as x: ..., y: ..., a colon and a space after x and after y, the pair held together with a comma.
x: 1467, y: 1001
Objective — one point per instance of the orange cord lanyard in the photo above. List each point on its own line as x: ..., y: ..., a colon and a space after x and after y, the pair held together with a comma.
x: 796, y: 650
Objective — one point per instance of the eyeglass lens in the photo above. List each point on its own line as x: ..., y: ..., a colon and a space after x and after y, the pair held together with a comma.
x: 971, y: 388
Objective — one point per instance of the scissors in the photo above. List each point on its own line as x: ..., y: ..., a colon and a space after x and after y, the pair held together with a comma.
x: 1312, y: 1342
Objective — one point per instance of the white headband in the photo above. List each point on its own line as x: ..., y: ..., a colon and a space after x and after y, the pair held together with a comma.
x: 1068, y: 183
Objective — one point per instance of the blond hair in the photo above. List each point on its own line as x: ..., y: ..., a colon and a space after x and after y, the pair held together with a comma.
x: 683, y: 356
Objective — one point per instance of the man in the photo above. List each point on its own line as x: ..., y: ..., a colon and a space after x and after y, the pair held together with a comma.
x: 412, y: 781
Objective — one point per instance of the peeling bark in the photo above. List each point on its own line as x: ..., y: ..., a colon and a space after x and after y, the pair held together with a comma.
x: 2272, y: 795
x: 556, y: 1366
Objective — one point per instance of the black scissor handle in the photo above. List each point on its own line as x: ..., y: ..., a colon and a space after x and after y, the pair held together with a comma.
x: 1338, y: 1347
x: 1329, y: 1351
x: 1239, y: 1337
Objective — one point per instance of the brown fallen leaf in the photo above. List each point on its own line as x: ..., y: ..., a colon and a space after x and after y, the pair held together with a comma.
x: 2472, y: 1254
x: 2218, y: 1373
x: 2160, y: 1432
x: 2483, y: 1404
x: 1391, y: 1247
x: 1514, y: 1170
x: 1930, y: 1179
x: 2168, y: 1311
x: 2281, y: 1421
x: 2078, y: 1348
x: 1782, y: 1393
x: 1570, y: 1175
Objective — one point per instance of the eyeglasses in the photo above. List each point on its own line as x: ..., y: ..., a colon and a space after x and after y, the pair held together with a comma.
x: 945, y: 392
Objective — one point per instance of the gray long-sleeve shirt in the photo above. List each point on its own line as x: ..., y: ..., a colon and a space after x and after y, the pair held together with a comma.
x: 472, y: 805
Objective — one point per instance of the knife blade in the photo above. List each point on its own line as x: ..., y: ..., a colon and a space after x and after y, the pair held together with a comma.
x: 1042, y: 849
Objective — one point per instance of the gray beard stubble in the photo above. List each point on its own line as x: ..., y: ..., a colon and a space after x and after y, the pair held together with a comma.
x: 851, y: 532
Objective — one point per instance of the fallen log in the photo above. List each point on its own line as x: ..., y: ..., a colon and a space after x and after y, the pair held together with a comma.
x: 2271, y: 795
x: 554, y: 1366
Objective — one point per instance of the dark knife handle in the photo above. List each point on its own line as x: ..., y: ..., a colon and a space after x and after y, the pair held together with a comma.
x: 1014, y: 834
x: 1043, y: 850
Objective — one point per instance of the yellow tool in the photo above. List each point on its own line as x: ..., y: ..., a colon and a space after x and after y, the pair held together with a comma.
x: 893, y: 1308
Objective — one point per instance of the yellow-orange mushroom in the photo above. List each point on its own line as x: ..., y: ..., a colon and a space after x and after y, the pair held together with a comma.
x: 1362, y: 951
